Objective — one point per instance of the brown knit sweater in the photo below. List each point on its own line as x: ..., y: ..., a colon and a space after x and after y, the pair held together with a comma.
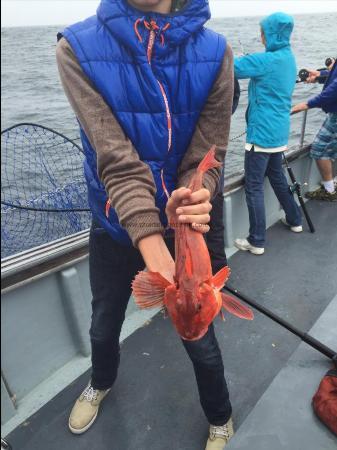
x: 128, y: 181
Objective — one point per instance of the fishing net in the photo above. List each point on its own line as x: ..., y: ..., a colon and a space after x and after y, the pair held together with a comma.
x: 43, y: 190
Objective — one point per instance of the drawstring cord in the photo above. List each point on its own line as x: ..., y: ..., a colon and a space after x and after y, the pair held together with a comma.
x: 135, y: 27
x: 151, y: 26
x: 154, y: 32
x: 162, y: 38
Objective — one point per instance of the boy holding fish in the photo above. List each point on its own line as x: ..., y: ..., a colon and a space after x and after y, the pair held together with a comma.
x: 152, y: 90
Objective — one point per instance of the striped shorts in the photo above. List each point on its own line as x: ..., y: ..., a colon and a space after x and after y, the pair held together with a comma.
x: 325, y: 143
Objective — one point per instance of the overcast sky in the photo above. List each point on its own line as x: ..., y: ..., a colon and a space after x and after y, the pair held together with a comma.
x: 59, y: 12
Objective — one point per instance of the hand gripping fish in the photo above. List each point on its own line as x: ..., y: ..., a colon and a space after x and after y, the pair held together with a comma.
x: 194, y: 299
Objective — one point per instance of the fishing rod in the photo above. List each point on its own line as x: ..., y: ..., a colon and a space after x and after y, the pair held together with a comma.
x: 296, y: 188
x: 242, y: 48
x: 305, y: 337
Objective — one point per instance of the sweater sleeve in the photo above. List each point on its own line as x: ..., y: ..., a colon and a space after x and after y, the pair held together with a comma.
x: 212, y: 128
x: 323, y: 76
x: 326, y: 98
x: 128, y: 181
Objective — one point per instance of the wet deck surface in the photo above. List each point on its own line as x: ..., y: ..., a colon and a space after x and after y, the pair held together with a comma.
x: 154, y: 403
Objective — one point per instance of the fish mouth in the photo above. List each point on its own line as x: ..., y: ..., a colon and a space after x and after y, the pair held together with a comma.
x: 191, y: 337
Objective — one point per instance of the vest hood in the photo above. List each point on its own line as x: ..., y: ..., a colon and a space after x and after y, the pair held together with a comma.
x: 125, y: 22
x: 277, y: 29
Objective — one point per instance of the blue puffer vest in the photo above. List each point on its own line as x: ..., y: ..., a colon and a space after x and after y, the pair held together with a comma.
x: 155, y: 72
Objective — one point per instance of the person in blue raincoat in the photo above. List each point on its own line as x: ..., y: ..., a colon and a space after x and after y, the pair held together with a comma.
x: 272, y: 77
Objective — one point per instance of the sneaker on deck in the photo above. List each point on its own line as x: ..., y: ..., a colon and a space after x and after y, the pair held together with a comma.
x: 219, y: 436
x: 85, y: 410
x: 295, y: 229
x: 243, y: 244
x: 322, y: 194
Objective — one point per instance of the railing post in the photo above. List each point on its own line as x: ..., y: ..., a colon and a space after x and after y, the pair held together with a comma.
x: 304, y: 124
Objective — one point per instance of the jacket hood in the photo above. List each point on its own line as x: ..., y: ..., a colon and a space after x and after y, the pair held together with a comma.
x: 123, y: 21
x: 277, y: 29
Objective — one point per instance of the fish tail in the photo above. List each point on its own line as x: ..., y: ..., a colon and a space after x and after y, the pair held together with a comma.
x: 209, y: 161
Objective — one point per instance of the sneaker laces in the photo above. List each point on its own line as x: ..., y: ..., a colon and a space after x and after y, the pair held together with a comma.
x: 221, y: 431
x: 90, y: 393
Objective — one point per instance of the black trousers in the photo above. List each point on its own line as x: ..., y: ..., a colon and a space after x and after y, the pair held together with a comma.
x: 112, y: 268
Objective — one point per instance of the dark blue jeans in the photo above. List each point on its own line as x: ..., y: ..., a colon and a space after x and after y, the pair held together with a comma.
x: 112, y: 268
x: 257, y: 166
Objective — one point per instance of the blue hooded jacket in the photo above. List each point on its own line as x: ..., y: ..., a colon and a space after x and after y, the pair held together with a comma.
x: 273, y: 78
x: 327, y: 99
x: 155, y: 71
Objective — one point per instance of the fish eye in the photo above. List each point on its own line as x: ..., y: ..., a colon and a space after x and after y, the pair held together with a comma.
x: 198, y: 306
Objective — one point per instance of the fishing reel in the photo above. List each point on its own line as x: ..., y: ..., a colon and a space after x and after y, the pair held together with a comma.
x: 330, y: 61
x: 297, y: 185
x: 303, y: 74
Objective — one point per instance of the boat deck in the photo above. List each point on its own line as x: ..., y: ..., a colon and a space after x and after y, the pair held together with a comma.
x: 154, y: 403
x: 292, y: 424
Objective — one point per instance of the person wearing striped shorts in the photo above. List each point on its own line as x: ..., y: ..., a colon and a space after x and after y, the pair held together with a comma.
x: 324, y: 147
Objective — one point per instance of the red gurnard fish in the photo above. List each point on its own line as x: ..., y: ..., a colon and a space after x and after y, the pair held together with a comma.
x: 194, y: 299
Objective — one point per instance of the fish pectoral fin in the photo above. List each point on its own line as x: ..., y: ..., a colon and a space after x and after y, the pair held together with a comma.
x: 220, y: 278
x: 236, y: 308
x: 148, y: 289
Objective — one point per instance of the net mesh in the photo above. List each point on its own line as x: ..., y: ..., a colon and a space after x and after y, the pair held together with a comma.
x: 43, y: 190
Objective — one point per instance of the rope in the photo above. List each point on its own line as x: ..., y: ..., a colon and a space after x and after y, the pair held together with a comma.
x: 59, y: 210
x: 235, y: 138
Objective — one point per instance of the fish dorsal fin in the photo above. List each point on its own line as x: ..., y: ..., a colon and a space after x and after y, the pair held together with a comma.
x: 221, y: 277
x: 209, y: 161
x: 236, y: 308
x: 148, y: 289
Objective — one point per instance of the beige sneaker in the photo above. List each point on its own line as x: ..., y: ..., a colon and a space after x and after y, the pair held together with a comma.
x: 219, y: 436
x: 85, y: 410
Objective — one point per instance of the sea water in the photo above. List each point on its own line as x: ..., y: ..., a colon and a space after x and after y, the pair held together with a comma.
x: 31, y: 89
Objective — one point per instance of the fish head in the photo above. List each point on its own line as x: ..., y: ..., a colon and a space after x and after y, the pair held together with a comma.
x: 192, y: 310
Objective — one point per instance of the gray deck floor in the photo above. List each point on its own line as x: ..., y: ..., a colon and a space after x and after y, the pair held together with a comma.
x: 292, y: 425
x: 154, y: 403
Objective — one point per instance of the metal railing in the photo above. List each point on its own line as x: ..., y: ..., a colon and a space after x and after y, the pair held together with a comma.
x: 303, y: 128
